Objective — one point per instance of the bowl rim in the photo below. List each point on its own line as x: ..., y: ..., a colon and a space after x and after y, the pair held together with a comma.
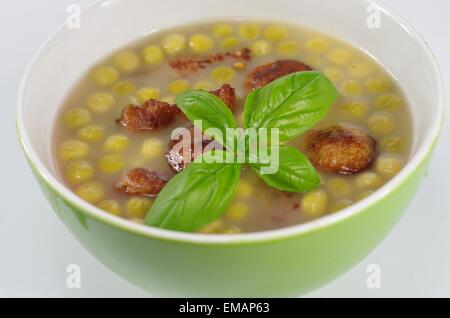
x: 425, y: 148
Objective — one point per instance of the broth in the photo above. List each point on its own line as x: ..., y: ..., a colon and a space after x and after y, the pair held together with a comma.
x: 94, y: 152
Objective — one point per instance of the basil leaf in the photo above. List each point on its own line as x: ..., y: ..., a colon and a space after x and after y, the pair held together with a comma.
x: 295, y: 172
x: 293, y: 103
x: 197, y: 196
x: 211, y: 110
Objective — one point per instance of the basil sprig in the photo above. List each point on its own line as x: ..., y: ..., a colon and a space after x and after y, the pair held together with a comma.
x: 197, y: 196
x: 209, y: 109
x: 295, y: 172
x: 293, y: 104
x: 202, y: 192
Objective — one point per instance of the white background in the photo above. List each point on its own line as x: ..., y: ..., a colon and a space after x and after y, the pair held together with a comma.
x: 35, y: 248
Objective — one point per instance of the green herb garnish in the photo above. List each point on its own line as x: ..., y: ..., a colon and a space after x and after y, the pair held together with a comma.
x: 196, y: 196
x: 293, y: 104
x: 202, y: 192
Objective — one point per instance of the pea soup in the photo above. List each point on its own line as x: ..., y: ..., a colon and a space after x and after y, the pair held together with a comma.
x: 105, y: 147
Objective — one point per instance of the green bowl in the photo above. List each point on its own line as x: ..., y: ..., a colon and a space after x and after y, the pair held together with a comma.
x: 286, y: 262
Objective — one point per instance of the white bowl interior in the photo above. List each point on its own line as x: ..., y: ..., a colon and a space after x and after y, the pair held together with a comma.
x: 110, y: 24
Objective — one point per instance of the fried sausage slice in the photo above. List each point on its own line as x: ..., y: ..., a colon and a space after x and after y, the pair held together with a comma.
x: 182, y: 151
x: 341, y: 150
x: 265, y: 74
x: 141, y: 181
x: 151, y: 115
x: 227, y: 94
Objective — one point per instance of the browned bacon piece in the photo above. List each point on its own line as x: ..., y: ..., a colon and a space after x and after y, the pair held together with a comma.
x: 155, y: 114
x: 341, y: 150
x: 141, y: 181
x: 151, y: 115
x: 182, y: 151
x: 227, y: 94
x: 265, y: 74
x: 184, y: 66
